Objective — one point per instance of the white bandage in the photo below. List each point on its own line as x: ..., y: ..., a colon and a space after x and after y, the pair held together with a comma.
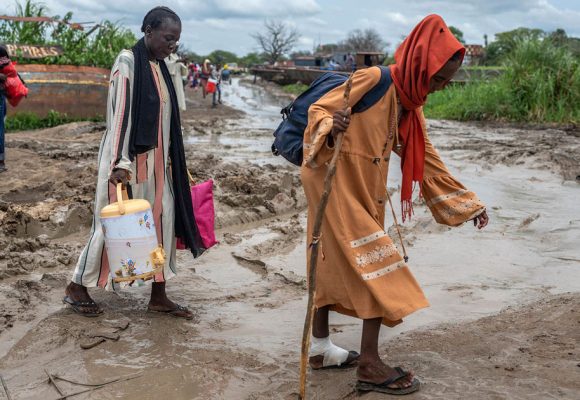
x: 333, y: 355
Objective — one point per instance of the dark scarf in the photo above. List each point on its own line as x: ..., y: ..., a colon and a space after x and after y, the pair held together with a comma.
x: 144, y: 131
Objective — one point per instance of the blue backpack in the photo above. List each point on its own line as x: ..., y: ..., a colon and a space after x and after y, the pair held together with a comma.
x: 290, y: 133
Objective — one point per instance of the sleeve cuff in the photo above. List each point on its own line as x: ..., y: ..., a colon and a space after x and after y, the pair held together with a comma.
x: 317, y: 151
x: 449, y: 201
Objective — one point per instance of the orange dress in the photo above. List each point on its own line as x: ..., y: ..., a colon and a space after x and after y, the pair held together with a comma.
x: 361, y: 273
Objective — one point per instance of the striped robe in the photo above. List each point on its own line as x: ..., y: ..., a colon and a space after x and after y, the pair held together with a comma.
x: 150, y: 175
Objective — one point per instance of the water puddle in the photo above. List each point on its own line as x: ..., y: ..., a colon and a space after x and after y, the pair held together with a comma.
x: 250, y: 137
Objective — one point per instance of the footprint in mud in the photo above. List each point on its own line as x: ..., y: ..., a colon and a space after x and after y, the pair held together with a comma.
x: 529, y: 220
x: 256, y: 266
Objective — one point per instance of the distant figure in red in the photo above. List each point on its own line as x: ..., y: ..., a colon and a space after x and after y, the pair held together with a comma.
x: 11, y: 88
x: 204, y: 76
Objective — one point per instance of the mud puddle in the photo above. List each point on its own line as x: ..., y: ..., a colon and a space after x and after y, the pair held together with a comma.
x: 248, y: 138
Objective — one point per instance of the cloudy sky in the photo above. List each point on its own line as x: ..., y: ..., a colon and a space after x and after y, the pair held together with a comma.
x: 228, y: 24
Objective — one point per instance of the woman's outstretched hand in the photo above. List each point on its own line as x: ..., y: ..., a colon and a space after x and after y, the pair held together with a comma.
x: 481, y: 220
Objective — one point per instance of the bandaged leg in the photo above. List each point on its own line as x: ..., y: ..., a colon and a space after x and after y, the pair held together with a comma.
x: 333, y: 355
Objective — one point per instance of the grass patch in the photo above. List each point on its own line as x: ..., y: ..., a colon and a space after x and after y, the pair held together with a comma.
x: 295, y: 88
x: 28, y: 121
x: 541, y: 83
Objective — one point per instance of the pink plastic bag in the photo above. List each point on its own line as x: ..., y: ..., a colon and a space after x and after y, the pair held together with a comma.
x: 203, y: 210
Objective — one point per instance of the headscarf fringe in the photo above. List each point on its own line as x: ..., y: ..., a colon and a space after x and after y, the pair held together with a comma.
x: 407, y: 209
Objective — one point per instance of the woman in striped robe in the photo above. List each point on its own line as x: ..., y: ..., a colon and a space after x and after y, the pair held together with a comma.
x: 143, y: 149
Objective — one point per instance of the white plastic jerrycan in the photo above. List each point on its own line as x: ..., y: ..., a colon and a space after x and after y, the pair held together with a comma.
x: 134, y: 253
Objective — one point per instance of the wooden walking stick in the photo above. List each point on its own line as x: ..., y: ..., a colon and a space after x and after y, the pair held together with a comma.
x: 314, y: 249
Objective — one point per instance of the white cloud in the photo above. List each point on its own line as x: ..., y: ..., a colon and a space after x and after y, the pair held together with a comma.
x: 216, y: 23
x: 397, y: 17
x: 228, y: 24
x: 306, y: 42
x: 266, y: 8
x: 316, y: 21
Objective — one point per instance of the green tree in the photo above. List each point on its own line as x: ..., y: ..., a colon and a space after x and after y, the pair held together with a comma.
x: 505, y: 43
x: 252, y: 59
x: 560, y: 38
x: 457, y: 33
x: 222, y: 57
x: 191, y: 55
x: 26, y: 32
x: 97, y: 47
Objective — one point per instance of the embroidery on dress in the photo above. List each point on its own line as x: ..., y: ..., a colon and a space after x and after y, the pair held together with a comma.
x: 450, y: 211
x: 376, y: 255
x: 383, y: 271
x: 367, y: 239
x: 445, y: 197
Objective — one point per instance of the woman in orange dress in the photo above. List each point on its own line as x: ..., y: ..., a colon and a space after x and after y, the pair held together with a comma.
x: 362, y: 273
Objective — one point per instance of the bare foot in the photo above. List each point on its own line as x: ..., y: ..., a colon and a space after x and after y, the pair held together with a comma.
x: 375, y: 371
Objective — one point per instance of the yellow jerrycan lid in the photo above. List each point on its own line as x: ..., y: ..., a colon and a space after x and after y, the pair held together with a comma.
x: 124, y: 205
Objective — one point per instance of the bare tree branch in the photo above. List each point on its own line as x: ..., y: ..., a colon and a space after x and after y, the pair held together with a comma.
x: 367, y: 40
x: 277, y: 40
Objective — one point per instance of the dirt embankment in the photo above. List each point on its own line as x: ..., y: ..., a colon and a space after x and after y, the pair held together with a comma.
x: 551, y: 148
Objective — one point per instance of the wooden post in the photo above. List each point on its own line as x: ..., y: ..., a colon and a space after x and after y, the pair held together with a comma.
x: 314, y: 250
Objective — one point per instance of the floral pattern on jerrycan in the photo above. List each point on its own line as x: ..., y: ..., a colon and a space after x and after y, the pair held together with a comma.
x: 131, y: 242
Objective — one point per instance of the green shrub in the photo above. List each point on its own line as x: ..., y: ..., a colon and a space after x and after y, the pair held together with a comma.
x: 295, y: 88
x: 96, y: 47
x: 541, y: 83
x: 28, y: 121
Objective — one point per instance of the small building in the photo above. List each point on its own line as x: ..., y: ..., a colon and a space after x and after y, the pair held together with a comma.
x: 306, y: 61
x: 360, y: 59
x: 365, y: 59
x: 473, y: 54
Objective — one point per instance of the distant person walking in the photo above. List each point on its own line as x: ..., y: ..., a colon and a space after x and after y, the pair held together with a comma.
x: 204, y: 75
x: 142, y: 148
x: 12, y: 90
x: 216, y: 73
x: 226, y: 74
x: 177, y: 70
x: 350, y: 62
x: 4, y: 60
x: 194, y: 75
x: 361, y: 273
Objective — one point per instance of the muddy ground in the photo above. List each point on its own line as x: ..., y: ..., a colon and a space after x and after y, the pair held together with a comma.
x: 505, y: 315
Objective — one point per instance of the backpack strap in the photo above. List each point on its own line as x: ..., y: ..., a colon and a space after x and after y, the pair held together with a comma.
x: 376, y: 93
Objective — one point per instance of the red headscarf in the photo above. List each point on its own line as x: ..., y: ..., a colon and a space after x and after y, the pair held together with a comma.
x: 421, y: 55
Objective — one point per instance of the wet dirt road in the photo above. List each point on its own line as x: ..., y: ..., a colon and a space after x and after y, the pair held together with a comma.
x: 248, y: 293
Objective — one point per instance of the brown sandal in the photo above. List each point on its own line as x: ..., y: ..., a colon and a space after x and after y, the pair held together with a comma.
x: 84, y: 308
x: 363, y: 386
x: 178, y: 312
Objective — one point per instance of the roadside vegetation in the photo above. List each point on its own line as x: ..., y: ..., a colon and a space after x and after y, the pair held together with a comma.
x: 295, y: 88
x: 540, y: 83
x: 96, y: 46
x: 24, y: 121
